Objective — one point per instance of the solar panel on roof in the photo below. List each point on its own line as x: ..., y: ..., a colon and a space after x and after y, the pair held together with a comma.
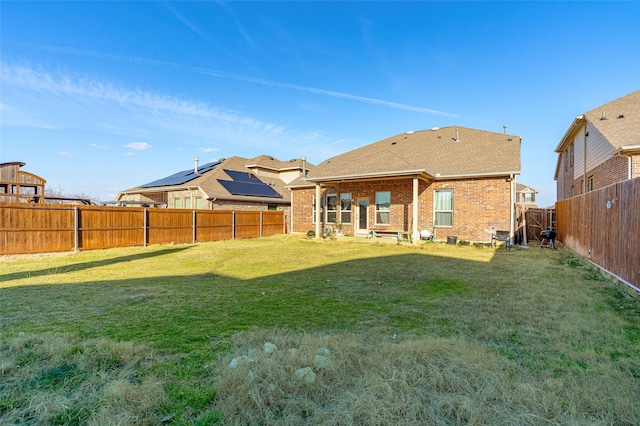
x: 254, y: 189
x: 181, y: 177
x: 241, y: 176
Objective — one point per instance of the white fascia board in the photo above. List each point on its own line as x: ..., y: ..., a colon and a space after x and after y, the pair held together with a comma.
x: 370, y: 175
x: 576, y: 123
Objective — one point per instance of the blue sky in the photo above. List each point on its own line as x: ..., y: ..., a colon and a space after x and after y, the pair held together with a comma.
x: 98, y: 97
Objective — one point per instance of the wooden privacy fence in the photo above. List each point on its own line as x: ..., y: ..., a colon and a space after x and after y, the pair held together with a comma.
x: 532, y: 221
x: 604, y: 225
x: 37, y: 228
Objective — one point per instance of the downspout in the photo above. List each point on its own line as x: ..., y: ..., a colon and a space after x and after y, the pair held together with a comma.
x: 414, y: 227
x: 512, y: 211
x: 318, y: 213
x: 584, y: 155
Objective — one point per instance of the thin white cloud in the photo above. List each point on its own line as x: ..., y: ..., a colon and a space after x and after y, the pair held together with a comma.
x: 254, y: 80
x: 99, y: 147
x: 65, y: 154
x: 205, y: 150
x: 138, y: 146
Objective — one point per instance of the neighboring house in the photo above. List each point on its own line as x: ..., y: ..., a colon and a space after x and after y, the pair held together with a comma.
x: 455, y: 181
x: 526, y: 196
x: 20, y: 186
x: 600, y: 147
x: 233, y: 183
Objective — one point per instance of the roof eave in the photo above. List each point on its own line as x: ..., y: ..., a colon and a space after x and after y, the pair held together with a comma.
x: 378, y: 175
x: 575, y: 125
x: 627, y: 150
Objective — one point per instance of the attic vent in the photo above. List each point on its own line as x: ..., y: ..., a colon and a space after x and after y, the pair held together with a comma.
x: 603, y: 117
x: 393, y: 143
x: 621, y: 116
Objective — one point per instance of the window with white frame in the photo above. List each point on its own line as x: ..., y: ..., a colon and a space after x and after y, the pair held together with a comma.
x: 198, y: 202
x: 187, y: 202
x: 332, y: 208
x: 176, y: 203
x: 383, y: 208
x: 345, y: 208
x: 443, y: 207
x: 529, y: 197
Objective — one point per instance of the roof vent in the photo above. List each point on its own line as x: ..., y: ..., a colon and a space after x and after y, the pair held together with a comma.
x: 410, y: 132
x: 621, y: 116
x: 603, y: 117
x: 457, y: 138
x: 195, y: 165
x: 393, y: 143
x: 435, y: 128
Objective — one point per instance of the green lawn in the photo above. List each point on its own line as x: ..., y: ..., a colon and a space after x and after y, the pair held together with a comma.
x: 429, y: 334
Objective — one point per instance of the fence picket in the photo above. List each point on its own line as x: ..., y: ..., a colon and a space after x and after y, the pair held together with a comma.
x: 43, y: 228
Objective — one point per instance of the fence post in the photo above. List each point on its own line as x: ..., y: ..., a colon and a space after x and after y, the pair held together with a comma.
x: 75, y: 228
x: 233, y: 225
x: 260, y: 223
x: 193, y: 236
x: 144, y: 227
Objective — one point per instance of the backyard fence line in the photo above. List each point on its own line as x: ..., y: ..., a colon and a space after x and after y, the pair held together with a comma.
x: 604, y: 225
x: 46, y: 228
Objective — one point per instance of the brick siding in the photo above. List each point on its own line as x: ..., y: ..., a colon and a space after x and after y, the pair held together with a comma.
x: 478, y: 205
x: 611, y: 171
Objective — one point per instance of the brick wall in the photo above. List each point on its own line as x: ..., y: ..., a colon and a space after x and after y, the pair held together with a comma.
x: 611, y: 171
x: 635, y: 166
x: 479, y: 205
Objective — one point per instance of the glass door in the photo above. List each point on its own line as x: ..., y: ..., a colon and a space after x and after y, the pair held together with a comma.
x: 362, y: 219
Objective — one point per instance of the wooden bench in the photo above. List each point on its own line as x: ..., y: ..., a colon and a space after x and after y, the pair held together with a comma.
x: 375, y: 233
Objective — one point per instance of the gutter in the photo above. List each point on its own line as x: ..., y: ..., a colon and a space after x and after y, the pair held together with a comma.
x: 437, y: 176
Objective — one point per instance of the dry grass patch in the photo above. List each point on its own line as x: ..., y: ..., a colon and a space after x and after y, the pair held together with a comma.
x: 57, y: 379
x: 367, y: 379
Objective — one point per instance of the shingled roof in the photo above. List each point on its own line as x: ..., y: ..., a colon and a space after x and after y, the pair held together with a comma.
x: 209, y: 181
x: 618, y: 121
x: 439, y: 153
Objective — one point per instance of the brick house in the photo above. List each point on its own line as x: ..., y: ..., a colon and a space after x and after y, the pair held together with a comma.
x: 454, y: 181
x: 526, y: 196
x: 233, y: 183
x: 600, y: 147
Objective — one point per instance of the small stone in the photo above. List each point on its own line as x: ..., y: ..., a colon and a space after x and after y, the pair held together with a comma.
x: 323, y: 351
x: 240, y: 361
x: 269, y: 348
x: 292, y: 352
x: 321, y: 362
x: 21, y: 334
x: 305, y: 375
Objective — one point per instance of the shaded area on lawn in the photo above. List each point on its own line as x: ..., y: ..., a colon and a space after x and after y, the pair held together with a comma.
x: 549, y: 320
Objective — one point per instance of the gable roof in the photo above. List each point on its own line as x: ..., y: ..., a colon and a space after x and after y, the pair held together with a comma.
x: 439, y: 153
x: 618, y: 121
x: 522, y: 188
x: 225, y: 179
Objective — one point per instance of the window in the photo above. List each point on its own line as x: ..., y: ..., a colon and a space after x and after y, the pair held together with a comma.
x: 187, y: 203
x: 443, y: 207
x: 332, y: 208
x: 590, y: 183
x: 529, y: 197
x: 571, y: 155
x: 345, y: 208
x: 176, y: 203
x: 272, y: 207
x: 198, y: 202
x: 383, y: 208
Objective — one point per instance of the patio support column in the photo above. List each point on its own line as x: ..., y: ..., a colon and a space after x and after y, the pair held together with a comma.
x: 318, y: 212
x: 414, y: 227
